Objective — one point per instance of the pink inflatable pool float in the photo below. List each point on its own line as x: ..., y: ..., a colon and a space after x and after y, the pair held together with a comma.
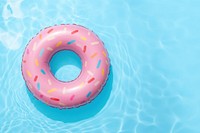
x: 42, y: 83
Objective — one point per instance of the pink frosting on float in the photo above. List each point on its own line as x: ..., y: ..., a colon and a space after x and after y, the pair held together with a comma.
x: 41, y: 82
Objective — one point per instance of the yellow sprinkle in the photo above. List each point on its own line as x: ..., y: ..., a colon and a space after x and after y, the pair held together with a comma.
x: 40, y: 36
x: 83, y: 38
x: 29, y: 73
x: 36, y: 62
x: 104, y: 53
x: 102, y: 72
x: 93, y: 55
x: 51, y: 90
x: 61, y: 104
x: 85, y: 63
x: 59, y: 43
x: 81, y: 85
x: 65, y: 29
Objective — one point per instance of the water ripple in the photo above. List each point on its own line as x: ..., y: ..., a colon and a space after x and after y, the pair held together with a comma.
x: 154, y: 52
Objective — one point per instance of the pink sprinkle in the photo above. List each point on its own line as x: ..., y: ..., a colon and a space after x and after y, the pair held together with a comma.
x: 27, y: 51
x: 55, y: 99
x: 72, y: 97
x: 91, y: 80
x: 75, y: 31
x: 50, y: 30
x: 84, y: 49
x: 41, y: 96
x: 36, y: 77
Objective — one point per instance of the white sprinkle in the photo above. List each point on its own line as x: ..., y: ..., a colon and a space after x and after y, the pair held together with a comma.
x: 96, y: 83
x: 49, y: 48
x: 49, y: 81
x: 94, y: 43
x: 64, y: 90
x: 29, y: 85
x: 88, y: 33
x: 34, y: 46
x: 50, y: 38
x: 78, y: 45
x: 88, y: 77
x: 90, y: 73
x: 106, y: 62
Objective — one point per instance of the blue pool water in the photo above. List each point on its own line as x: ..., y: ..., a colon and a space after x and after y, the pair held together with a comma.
x: 154, y: 83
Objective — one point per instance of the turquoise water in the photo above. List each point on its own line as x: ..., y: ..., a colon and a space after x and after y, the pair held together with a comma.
x: 154, y: 83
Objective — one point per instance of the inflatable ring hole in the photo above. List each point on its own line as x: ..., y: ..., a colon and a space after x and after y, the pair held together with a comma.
x: 65, y: 65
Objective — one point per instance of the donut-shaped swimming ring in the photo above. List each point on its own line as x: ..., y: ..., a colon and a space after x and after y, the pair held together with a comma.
x: 37, y: 74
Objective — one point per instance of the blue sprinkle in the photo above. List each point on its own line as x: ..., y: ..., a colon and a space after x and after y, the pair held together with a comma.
x: 70, y: 42
x: 98, y: 64
x: 42, y: 71
x: 89, y: 93
x: 41, y: 52
x: 38, y: 86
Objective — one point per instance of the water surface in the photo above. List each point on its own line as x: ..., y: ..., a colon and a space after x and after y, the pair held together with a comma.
x: 154, y: 47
